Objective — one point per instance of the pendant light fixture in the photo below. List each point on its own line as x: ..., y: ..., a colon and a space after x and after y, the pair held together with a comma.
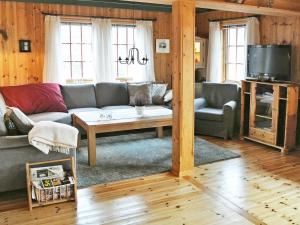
x: 133, y: 53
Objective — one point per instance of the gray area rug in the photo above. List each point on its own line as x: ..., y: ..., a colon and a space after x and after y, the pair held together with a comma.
x: 139, y: 154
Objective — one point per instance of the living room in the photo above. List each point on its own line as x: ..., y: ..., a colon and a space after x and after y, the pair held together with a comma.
x: 137, y: 164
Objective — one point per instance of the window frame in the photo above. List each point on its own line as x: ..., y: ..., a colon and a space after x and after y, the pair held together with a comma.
x: 127, y: 44
x: 226, y: 45
x: 83, y: 79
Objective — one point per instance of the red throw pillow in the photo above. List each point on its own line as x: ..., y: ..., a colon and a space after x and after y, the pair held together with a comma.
x: 34, y: 98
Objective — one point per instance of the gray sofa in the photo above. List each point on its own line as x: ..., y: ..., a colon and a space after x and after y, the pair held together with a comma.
x: 215, y: 110
x: 15, y: 150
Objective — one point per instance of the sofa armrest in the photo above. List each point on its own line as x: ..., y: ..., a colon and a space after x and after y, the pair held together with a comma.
x: 8, y: 142
x: 200, y: 103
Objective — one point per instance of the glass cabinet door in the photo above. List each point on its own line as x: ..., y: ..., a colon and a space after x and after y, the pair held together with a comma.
x: 264, y: 96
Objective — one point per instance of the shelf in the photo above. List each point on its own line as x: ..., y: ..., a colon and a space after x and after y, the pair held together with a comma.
x: 264, y: 117
x: 264, y: 143
x: 284, y: 99
x: 247, y: 93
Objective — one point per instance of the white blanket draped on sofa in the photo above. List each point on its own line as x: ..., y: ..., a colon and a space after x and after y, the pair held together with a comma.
x: 50, y: 136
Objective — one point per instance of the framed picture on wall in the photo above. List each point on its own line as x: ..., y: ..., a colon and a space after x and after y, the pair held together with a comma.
x: 162, y: 45
x: 24, y: 45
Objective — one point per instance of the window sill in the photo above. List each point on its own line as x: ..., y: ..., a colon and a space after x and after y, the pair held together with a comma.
x: 79, y: 81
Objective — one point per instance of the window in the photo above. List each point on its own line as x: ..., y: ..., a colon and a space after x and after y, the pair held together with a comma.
x: 122, y: 40
x: 234, y: 53
x: 77, y: 52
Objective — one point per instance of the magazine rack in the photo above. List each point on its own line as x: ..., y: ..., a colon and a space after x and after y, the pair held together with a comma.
x: 33, y: 203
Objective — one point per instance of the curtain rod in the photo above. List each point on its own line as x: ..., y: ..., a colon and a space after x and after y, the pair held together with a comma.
x: 101, y: 17
x: 237, y: 18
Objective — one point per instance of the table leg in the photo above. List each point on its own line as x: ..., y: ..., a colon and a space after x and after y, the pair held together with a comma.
x: 78, y: 140
x: 159, y: 132
x: 92, y: 147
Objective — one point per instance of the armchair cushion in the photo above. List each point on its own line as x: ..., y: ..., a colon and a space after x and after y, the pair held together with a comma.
x: 200, y: 103
x: 217, y: 94
x: 210, y: 114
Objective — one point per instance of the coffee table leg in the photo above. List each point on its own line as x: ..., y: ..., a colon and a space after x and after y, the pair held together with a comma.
x: 78, y: 140
x: 159, y: 132
x: 92, y: 147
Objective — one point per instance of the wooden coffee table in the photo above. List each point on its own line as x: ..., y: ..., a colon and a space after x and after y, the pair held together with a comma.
x: 155, y: 117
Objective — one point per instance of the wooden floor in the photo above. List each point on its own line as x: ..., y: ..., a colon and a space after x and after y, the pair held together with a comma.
x: 261, y: 187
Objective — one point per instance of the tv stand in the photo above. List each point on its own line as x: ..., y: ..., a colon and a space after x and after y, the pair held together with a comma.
x: 269, y: 113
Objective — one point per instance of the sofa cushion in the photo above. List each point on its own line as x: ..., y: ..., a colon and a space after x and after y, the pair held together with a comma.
x: 216, y: 94
x: 211, y: 114
x: 59, y: 117
x: 34, y: 98
x: 13, y: 141
x: 144, y: 89
x: 79, y: 96
x: 3, y: 130
x: 77, y: 110
x: 109, y: 94
x: 23, y: 123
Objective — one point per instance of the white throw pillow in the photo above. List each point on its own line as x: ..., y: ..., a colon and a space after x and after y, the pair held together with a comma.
x: 168, y: 96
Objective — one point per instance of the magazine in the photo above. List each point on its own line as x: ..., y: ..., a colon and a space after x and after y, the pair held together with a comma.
x: 51, y: 183
x: 48, y: 172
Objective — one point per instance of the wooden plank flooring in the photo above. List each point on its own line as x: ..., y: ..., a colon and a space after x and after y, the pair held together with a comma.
x: 261, y: 187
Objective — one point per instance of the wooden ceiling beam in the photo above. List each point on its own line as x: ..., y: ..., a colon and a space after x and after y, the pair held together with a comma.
x: 234, y: 7
x: 280, y: 7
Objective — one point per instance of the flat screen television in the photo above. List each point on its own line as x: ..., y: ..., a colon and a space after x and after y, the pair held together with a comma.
x: 271, y: 60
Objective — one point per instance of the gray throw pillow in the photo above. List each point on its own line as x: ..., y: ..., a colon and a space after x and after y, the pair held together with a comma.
x: 3, y: 130
x: 144, y: 89
x: 158, y: 93
x: 23, y: 123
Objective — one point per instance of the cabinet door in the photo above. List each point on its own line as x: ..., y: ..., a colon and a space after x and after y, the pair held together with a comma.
x: 264, y: 112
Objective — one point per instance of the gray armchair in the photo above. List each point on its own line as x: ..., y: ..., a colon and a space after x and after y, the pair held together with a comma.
x: 215, y: 110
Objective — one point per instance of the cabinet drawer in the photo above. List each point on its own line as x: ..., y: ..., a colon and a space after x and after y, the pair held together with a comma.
x: 262, y: 135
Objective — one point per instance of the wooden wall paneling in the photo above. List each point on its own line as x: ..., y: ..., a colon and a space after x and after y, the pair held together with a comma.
x: 25, y: 21
x: 202, y: 19
x: 183, y: 30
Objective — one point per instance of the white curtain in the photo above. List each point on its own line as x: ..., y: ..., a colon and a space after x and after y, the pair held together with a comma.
x: 252, y: 31
x: 102, y: 50
x: 144, y: 42
x: 252, y: 36
x: 215, y: 54
x: 52, y: 59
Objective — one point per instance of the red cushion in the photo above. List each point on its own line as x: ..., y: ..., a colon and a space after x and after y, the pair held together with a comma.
x: 34, y: 98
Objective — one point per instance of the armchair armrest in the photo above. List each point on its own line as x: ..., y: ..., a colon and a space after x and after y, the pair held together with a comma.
x: 200, y: 103
x: 229, y: 118
x: 229, y: 107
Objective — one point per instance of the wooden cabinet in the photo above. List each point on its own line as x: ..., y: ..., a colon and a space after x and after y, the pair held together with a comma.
x: 269, y: 113
x: 200, y: 52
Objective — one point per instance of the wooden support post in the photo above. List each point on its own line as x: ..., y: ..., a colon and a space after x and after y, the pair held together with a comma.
x: 183, y: 79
